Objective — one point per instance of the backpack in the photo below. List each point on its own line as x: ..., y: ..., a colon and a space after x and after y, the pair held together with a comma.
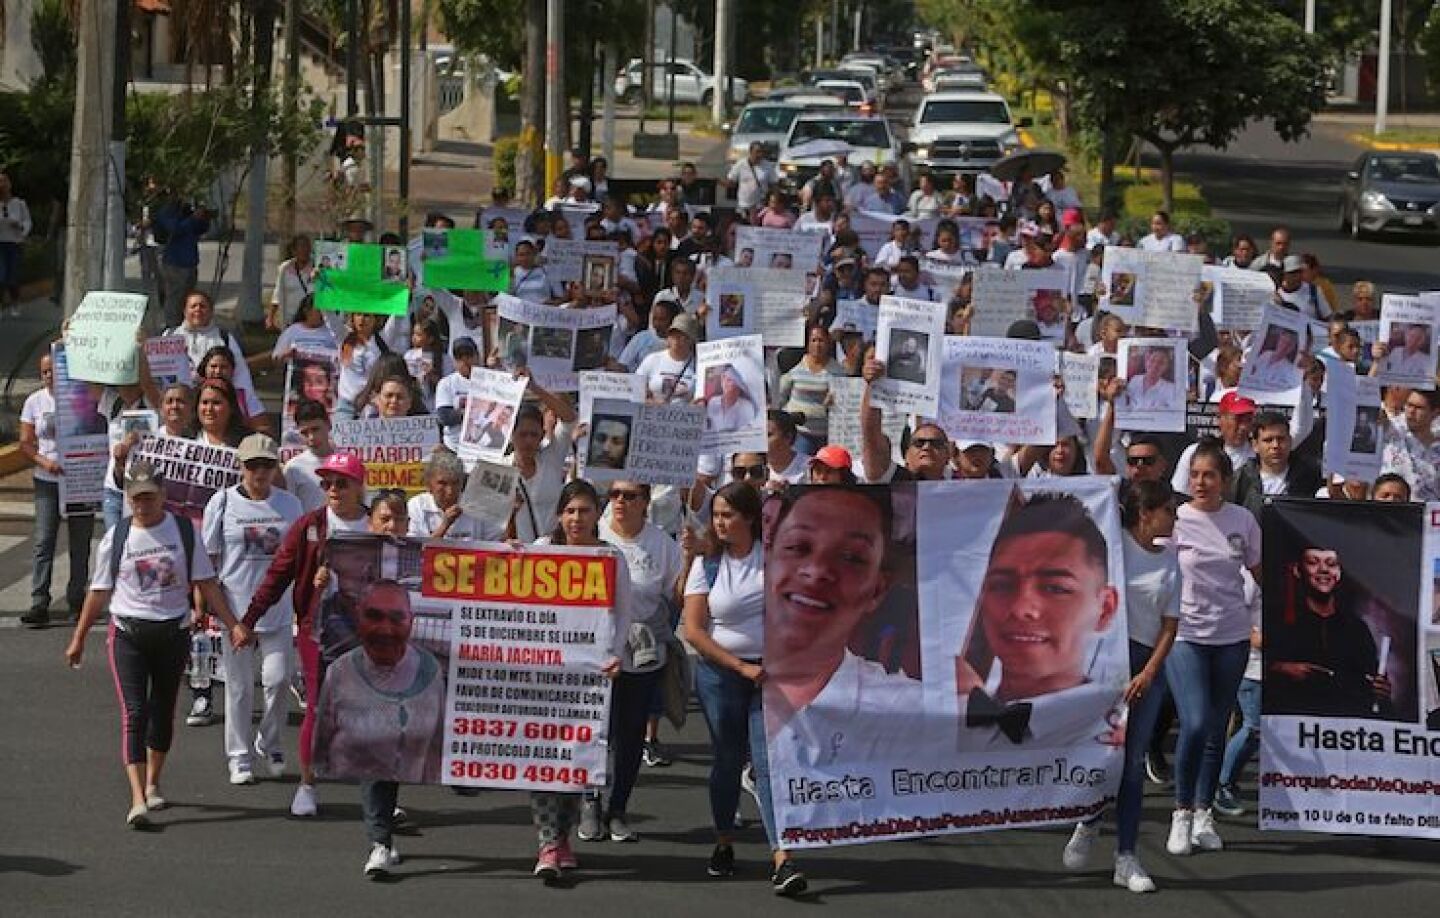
x: 122, y: 535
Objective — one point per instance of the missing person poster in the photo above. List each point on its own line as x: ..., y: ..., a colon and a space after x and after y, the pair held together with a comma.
x: 778, y: 310
x: 998, y: 298
x: 636, y: 441
x: 1154, y: 396
x: 81, y: 438
x: 875, y: 229
x: 780, y: 249
x: 1350, y: 725
x: 1122, y: 277
x: 1238, y: 296
x: 463, y: 259
x: 490, y: 491
x: 604, y: 384
x: 1171, y: 281
x: 531, y: 633
x: 734, y: 305
x: 1408, y: 327
x: 945, y: 277
x: 168, y: 361
x: 1081, y: 374
x: 846, y: 393
x: 193, y: 471
x: 490, y: 409
x: 100, y: 339
x: 312, y: 375
x: 855, y: 317
x: 366, y: 278
x: 394, y: 450
x: 999, y: 390
x: 730, y: 375
x: 909, y: 338
x: 565, y: 259
x: 910, y: 697
x: 1271, y: 374
x: 554, y: 342
x: 1354, y: 424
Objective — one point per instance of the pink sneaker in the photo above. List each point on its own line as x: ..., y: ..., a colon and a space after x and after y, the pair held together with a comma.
x: 547, y: 867
x: 566, y: 855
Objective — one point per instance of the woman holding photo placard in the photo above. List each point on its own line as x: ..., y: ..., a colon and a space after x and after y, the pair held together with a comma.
x: 542, y: 467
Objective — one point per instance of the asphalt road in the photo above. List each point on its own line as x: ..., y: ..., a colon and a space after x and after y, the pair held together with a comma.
x: 223, y: 850
x: 1261, y: 181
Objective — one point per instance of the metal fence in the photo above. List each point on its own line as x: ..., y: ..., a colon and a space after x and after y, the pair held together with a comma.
x: 451, y: 90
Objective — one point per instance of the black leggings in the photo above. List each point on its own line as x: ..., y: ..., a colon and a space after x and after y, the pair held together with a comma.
x: 148, y: 662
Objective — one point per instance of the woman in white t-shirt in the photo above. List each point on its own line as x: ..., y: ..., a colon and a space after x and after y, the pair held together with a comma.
x: 436, y: 514
x: 147, y: 591
x: 1152, y: 609
x: 293, y: 285
x: 307, y: 333
x: 1217, y: 543
x: 725, y: 623
x: 39, y: 441
x: 242, y: 530
x: 541, y: 464
x: 358, y: 354
x: 670, y: 374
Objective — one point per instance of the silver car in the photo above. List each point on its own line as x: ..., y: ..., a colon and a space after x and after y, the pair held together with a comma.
x: 1391, y: 191
x: 765, y: 123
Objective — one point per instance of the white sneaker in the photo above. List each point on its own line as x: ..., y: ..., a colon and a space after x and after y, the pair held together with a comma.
x: 1202, y: 832
x: 380, y: 861
x: 1077, y: 850
x: 304, y: 803
x: 1130, y: 875
x: 240, y: 773
x: 269, y: 764
x: 201, y: 714
x: 1179, y: 842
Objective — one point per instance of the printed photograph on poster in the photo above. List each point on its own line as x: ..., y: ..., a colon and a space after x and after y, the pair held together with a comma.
x: 1353, y: 425
x: 914, y: 667
x: 331, y: 254
x: 592, y: 347
x: 732, y: 306
x: 393, y: 266
x: 512, y: 344
x: 1407, y: 333
x: 731, y: 376
x: 610, y: 425
x: 1154, y: 395
x: 630, y: 440
x: 553, y: 342
x: 434, y: 243
x: 626, y: 387
x: 490, y: 491
x: 311, y: 376
x: 1271, y: 373
x: 598, y: 273
x: 773, y: 308
x: 909, y: 337
x: 569, y: 261
x: 491, y: 405
x: 780, y: 249
x: 1081, y: 374
x: 81, y: 436
x: 1122, y: 279
x: 1340, y: 627
x: 1049, y: 309
x: 999, y: 390
x: 905, y: 357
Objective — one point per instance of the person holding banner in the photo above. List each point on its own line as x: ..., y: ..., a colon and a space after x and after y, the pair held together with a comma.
x: 242, y: 529
x: 577, y: 523
x: 1218, y: 543
x: 542, y: 467
x: 297, y: 564
x: 39, y: 443
x: 927, y: 454
x: 177, y: 411
x: 1152, y: 609
x: 452, y: 392
x: 725, y: 623
x: 146, y: 581
x: 436, y: 514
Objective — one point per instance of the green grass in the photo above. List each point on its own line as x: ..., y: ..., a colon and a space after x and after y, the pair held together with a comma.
x: 1427, y: 136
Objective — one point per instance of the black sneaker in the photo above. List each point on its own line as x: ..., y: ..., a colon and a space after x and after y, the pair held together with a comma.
x: 722, y: 862
x: 788, y: 881
x: 1227, y: 801
x: 35, y: 618
x: 1156, y: 769
x: 654, y: 755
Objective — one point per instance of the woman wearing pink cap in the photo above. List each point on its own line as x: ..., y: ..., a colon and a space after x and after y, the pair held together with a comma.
x: 301, y: 555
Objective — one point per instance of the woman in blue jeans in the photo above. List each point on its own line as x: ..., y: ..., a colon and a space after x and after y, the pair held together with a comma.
x: 725, y: 623
x: 1218, y: 543
x: 1152, y: 607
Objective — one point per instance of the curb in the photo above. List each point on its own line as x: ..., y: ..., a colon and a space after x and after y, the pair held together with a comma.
x: 1026, y: 139
x: 1393, y: 146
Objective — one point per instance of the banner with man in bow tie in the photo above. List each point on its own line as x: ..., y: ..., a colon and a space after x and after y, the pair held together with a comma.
x: 943, y: 657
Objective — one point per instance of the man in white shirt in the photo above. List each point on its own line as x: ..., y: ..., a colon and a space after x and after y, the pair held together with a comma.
x: 1274, y: 258
x: 1295, y: 294
x: 751, y: 179
x: 1161, y: 237
x: 1103, y: 232
x: 302, y: 477
x: 822, y: 214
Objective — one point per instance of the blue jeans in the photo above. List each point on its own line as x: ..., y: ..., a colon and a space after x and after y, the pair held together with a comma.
x: 47, y: 533
x: 731, y: 705
x: 112, y: 508
x: 1246, y: 740
x: 1138, y: 728
x: 1204, y: 679
x: 377, y: 808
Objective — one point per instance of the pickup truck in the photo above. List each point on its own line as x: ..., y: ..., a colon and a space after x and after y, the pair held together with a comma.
x: 961, y: 131
x: 692, y: 84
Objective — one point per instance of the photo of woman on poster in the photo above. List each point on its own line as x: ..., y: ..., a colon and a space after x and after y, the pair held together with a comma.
x: 730, y: 405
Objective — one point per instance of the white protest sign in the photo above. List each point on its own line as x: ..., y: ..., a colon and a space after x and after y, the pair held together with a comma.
x: 945, y: 276
x: 647, y: 443
x: 81, y: 438
x: 1408, y: 327
x: 1122, y: 274
x: 1239, y: 296
x: 1168, y: 296
x: 490, y: 491
x: 100, y: 339
x: 491, y: 403
x: 781, y: 249
x: 1081, y: 373
x: 168, y: 361
x: 909, y: 338
x: 1353, y: 424
x: 1000, y: 390
x: 844, y: 422
x: 779, y: 314
x: 734, y: 305
x: 998, y: 299
x: 556, y: 343
x: 565, y: 258
x: 394, y: 450
x: 1154, y: 373
x: 731, y: 380
x: 1271, y: 373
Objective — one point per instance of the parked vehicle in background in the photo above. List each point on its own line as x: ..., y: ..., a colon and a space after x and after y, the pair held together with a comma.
x: 964, y: 131
x: 765, y: 123
x: 948, y: 80
x: 864, y: 77
x: 852, y: 91
x: 692, y: 84
x: 815, y: 135
x: 1391, y: 191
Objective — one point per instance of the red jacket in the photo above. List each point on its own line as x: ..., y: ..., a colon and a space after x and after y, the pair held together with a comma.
x: 301, y: 554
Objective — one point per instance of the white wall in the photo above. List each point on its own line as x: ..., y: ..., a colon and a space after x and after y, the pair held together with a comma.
x: 19, y: 65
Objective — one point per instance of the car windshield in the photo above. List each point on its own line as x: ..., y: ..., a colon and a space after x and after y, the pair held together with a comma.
x: 855, y: 133
x: 770, y: 120
x: 967, y: 111
x: 847, y: 91
x: 1405, y: 169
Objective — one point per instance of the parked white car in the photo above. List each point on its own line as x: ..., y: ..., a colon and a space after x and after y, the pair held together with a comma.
x: 692, y: 84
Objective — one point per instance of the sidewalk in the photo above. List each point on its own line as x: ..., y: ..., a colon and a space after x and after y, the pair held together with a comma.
x: 1400, y: 135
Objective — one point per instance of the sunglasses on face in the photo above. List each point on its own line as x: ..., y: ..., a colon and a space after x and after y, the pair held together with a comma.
x: 1141, y: 461
x: 336, y: 482
x: 618, y: 494
x: 740, y: 472
x: 256, y: 465
x: 929, y: 442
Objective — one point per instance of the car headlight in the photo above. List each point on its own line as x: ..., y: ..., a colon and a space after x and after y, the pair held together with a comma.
x: 788, y: 168
x: 922, y: 152
x: 1375, y: 201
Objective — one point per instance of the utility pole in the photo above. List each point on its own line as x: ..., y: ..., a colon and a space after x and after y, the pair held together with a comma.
x: 607, y: 83
x: 555, y: 102
x: 85, y: 210
x: 249, y: 309
x: 819, y: 41
x: 115, y: 175
x: 1309, y: 17
x: 720, y: 98
x: 855, y: 44
x: 530, y: 159
x: 290, y: 166
x: 1382, y: 77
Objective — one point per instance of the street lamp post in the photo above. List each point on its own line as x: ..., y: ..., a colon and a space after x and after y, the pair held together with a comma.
x: 1382, y: 76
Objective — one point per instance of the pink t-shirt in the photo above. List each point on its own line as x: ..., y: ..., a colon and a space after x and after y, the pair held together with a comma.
x: 1214, y: 549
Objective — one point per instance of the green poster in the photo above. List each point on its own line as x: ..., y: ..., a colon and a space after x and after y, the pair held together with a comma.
x: 366, y: 278
x: 460, y: 259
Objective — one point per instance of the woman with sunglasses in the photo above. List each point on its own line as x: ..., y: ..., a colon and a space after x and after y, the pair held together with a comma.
x: 725, y: 622
x: 577, y: 523
x: 298, y: 564
x: 242, y: 530
x: 656, y: 565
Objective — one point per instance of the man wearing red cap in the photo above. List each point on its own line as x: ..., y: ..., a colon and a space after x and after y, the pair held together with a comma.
x: 1236, y: 415
x: 301, y: 556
